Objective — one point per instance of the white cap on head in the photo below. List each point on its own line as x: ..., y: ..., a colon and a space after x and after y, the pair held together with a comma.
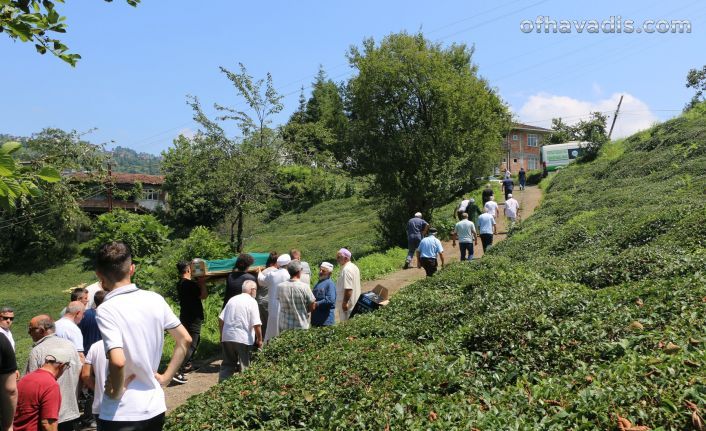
x: 327, y: 266
x: 418, y: 215
x: 283, y: 259
x: 509, y: 195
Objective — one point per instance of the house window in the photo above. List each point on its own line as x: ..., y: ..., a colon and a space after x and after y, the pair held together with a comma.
x: 515, y: 137
x: 150, y: 195
x: 532, y: 140
x: 532, y: 163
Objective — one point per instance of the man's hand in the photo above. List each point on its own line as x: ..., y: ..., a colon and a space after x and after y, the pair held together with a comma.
x: 258, y: 344
x: 344, y: 305
x: 163, y: 379
x: 114, y: 393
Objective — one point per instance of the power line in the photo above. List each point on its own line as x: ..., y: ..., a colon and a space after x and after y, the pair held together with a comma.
x: 32, y: 217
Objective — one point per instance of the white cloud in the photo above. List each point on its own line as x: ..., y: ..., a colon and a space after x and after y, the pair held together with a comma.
x: 187, y: 133
x: 634, y: 114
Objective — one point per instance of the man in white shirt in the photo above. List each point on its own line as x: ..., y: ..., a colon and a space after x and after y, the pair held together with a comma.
x: 512, y: 209
x: 347, y: 286
x: 465, y: 233
x: 92, y: 289
x: 93, y: 373
x: 67, y: 327
x: 7, y: 317
x: 132, y: 323
x: 240, y: 327
x: 487, y: 228
x: 273, y: 280
x: 492, y: 207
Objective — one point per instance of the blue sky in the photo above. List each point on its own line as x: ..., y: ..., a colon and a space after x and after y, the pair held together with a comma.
x: 140, y: 63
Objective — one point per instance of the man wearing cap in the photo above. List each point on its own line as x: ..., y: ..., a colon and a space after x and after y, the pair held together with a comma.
x: 429, y: 248
x: 39, y: 394
x: 325, y: 294
x: 465, y: 232
x: 347, y: 286
x: 42, y: 330
x: 416, y: 229
x: 295, y: 299
x: 508, y: 185
x: 273, y: 280
x: 512, y: 209
x: 240, y: 328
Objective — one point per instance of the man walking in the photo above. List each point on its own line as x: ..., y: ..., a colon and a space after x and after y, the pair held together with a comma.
x: 347, y: 286
x: 7, y: 317
x: 296, y: 300
x: 93, y: 374
x: 42, y: 330
x: 191, y: 294
x: 88, y: 325
x: 132, y: 322
x: 39, y: 394
x: 416, y: 229
x: 487, y: 227
x: 492, y: 207
x: 522, y: 178
x: 507, y: 186
x: 8, y: 384
x: 67, y: 326
x: 240, y: 328
x: 429, y: 248
x: 465, y: 232
x: 325, y: 294
x: 487, y: 193
x: 462, y: 208
x: 473, y: 211
x: 512, y: 209
x: 273, y: 280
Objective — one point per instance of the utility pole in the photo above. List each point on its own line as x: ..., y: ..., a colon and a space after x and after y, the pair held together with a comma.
x: 110, y: 187
x: 615, y: 117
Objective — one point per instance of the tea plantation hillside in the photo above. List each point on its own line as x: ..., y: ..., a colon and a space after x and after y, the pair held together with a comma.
x: 593, y: 312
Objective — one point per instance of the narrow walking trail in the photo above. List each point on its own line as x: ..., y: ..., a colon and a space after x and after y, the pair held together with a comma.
x: 207, y: 375
x: 529, y: 200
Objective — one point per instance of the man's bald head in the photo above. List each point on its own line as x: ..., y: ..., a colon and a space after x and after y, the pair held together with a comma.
x: 40, y: 326
x: 74, y: 311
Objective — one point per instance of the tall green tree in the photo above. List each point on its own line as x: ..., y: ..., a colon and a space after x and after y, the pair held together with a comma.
x: 696, y: 79
x: 37, y: 21
x: 421, y: 122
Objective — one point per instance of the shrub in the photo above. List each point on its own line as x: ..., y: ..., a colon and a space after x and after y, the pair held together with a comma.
x: 143, y: 233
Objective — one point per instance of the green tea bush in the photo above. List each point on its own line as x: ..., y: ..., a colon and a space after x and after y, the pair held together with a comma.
x: 593, y: 309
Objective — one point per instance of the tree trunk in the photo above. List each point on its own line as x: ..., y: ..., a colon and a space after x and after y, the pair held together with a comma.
x: 239, y: 246
x: 232, y: 233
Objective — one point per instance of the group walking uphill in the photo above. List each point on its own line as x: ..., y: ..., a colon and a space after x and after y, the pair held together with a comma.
x: 104, y: 351
x: 473, y: 222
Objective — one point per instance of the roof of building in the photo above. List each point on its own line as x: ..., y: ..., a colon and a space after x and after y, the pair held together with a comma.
x: 122, y: 178
x: 521, y: 126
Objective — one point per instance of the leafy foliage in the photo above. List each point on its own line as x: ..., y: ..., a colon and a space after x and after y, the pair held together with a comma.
x: 591, y: 131
x: 589, y: 314
x: 422, y: 123
x: 130, y: 161
x: 35, y: 21
x: 143, y: 233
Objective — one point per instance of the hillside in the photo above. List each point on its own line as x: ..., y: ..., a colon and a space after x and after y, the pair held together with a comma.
x: 592, y: 313
x: 130, y: 161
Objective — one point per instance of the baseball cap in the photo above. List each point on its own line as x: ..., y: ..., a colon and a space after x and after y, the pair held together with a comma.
x: 283, y: 259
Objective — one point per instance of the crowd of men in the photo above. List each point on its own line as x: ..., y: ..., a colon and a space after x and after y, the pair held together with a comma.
x: 105, y: 348
x: 422, y: 240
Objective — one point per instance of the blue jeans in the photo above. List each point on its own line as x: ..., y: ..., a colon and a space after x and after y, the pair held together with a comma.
x: 466, y: 247
x: 412, y: 244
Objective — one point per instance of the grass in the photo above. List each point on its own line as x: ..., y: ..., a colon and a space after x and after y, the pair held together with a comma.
x: 45, y: 292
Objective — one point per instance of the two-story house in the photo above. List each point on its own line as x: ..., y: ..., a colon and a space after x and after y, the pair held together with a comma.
x: 123, y: 187
x: 521, y: 147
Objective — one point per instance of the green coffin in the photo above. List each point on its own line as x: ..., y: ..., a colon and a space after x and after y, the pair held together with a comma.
x: 226, y: 265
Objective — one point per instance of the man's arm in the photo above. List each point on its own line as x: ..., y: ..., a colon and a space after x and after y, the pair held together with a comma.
x: 87, y: 376
x: 203, y: 291
x: 115, y: 384
x: 258, y: 336
x: 220, y: 329
x: 49, y: 425
x: 441, y: 256
x: 8, y: 399
x: 182, y: 341
x: 312, y: 306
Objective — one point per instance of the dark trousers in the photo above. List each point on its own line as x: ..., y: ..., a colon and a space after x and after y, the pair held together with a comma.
x: 264, y: 314
x: 429, y: 264
x: 236, y: 357
x: 466, y: 248
x: 487, y: 240
x: 68, y: 425
x: 154, y: 424
x: 193, y: 327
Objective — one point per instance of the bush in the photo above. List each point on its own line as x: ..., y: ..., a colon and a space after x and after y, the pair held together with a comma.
x: 534, y: 177
x: 161, y: 274
x: 143, y: 233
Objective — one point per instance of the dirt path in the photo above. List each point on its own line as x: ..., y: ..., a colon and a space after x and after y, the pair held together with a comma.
x: 207, y: 375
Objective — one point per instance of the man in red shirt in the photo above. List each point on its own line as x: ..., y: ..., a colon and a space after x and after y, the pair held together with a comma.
x: 39, y: 397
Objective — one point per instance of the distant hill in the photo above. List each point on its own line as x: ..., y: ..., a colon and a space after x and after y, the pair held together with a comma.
x: 130, y: 161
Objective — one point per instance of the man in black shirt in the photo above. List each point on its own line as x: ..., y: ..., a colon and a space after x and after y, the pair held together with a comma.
x: 8, y: 383
x: 191, y: 293
x: 487, y: 193
x: 235, y: 280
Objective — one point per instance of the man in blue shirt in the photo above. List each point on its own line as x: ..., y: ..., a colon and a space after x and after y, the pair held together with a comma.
x: 325, y: 294
x: 486, y: 227
x: 416, y: 229
x: 429, y: 247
